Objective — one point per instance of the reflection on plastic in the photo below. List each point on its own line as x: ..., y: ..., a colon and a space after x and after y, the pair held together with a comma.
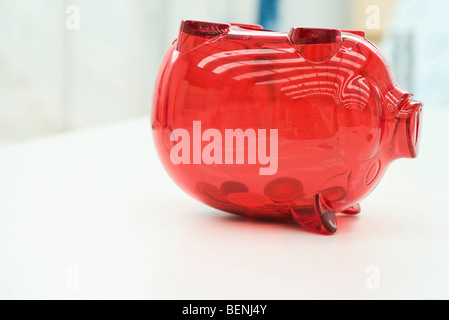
x: 329, y: 94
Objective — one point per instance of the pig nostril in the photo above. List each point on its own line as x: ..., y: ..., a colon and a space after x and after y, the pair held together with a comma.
x: 413, y: 124
x: 416, y: 128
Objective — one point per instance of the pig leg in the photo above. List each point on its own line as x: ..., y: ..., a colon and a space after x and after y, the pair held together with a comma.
x: 317, y: 217
x: 355, y: 209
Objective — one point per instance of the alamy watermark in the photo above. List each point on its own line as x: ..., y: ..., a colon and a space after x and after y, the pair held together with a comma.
x: 72, y: 21
x: 72, y: 281
x: 373, y: 279
x: 373, y: 19
x: 220, y: 150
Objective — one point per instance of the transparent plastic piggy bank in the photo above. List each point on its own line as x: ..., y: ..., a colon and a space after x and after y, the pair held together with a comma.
x: 297, y: 126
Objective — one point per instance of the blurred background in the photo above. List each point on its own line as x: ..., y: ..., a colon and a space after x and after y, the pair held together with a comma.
x: 69, y: 64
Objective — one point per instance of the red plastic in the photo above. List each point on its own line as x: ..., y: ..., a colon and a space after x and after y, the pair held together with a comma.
x: 324, y: 100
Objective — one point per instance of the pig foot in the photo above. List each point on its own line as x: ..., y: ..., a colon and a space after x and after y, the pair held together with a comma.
x: 355, y: 209
x: 317, y: 218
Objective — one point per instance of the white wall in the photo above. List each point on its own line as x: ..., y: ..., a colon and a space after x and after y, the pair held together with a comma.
x: 417, y: 47
x: 54, y: 79
x: 334, y: 14
x: 31, y: 79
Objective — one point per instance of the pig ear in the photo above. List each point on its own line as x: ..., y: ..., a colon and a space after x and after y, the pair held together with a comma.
x: 314, y: 44
x: 194, y: 33
x: 316, y: 218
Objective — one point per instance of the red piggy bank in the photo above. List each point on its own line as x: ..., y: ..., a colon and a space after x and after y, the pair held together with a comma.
x: 266, y: 124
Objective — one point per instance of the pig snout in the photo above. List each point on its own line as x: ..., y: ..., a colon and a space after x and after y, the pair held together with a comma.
x: 407, y: 132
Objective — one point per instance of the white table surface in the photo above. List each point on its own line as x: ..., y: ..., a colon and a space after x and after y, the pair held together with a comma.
x: 92, y: 214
